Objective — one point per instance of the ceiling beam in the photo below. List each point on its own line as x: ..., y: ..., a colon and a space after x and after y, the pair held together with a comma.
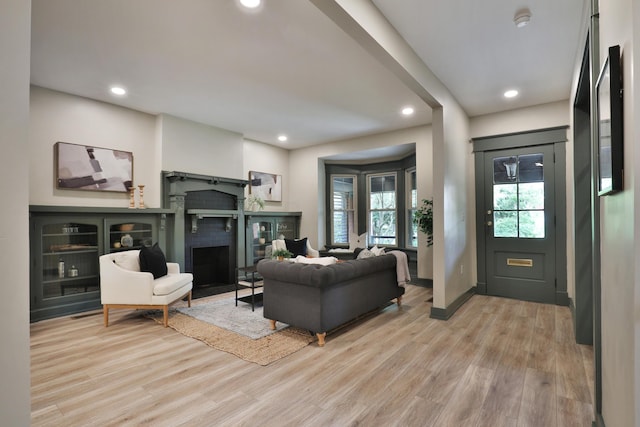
x: 364, y: 22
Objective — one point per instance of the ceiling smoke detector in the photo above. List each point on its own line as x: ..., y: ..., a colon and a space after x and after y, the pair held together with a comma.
x: 522, y: 18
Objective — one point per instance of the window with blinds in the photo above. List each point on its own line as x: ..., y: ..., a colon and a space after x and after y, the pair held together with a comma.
x: 343, y: 190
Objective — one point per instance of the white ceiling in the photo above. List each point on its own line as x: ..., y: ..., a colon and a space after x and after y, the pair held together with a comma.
x: 287, y: 68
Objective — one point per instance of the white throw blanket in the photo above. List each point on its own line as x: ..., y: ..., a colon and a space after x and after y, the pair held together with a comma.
x: 402, y: 268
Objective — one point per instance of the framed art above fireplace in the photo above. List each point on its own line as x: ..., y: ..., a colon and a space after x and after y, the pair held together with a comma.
x: 267, y: 186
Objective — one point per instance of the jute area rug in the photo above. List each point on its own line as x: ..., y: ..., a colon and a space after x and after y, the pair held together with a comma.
x: 236, y: 330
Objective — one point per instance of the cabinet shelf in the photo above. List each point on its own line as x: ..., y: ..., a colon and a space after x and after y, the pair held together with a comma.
x: 86, y: 233
x: 85, y: 250
x: 130, y: 232
x: 69, y: 279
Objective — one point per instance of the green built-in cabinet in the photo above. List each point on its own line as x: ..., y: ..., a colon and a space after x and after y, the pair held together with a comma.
x: 263, y: 227
x: 65, y: 244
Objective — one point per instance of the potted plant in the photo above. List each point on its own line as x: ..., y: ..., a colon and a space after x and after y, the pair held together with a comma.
x: 255, y: 203
x: 423, y: 218
x: 281, y: 254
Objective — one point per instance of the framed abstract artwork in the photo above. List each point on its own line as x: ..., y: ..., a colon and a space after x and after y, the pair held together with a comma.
x: 84, y: 167
x: 267, y: 186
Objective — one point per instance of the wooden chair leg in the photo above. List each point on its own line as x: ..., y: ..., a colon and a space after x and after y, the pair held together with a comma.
x: 189, y: 299
x: 165, y: 310
x: 400, y: 301
x: 105, y: 311
x: 272, y: 324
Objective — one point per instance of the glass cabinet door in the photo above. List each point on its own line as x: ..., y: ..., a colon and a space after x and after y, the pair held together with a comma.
x: 130, y: 235
x: 261, y: 236
x: 69, y: 260
x: 286, y: 228
x: 262, y: 230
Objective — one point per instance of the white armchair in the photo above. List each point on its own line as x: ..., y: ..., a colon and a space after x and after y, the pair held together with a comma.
x: 123, y: 285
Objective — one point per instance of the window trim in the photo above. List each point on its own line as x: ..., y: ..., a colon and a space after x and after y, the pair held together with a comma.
x: 368, y: 180
x: 409, y: 208
x: 332, y: 210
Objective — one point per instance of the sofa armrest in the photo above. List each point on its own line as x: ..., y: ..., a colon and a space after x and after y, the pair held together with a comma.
x: 120, y: 286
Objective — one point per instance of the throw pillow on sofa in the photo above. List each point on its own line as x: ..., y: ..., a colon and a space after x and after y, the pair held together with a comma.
x: 152, y: 260
x: 297, y: 247
x: 377, y: 251
x: 365, y: 253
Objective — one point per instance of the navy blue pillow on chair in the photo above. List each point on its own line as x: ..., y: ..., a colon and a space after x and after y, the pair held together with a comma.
x: 152, y: 260
x: 297, y: 247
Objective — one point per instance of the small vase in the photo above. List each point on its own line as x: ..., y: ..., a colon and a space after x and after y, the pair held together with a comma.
x: 280, y: 258
x: 262, y: 240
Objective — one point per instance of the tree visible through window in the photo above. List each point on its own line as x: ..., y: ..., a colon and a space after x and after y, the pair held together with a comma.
x: 382, y: 209
x: 518, y: 196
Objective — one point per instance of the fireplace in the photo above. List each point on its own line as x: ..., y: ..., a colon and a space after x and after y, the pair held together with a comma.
x: 210, y: 240
x: 209, y: 225
x: 211, y: 266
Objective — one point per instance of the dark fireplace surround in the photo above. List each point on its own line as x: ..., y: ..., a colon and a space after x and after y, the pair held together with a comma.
x: 208, y: 231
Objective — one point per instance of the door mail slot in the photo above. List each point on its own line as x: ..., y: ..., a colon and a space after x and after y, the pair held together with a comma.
x: 520, y: 262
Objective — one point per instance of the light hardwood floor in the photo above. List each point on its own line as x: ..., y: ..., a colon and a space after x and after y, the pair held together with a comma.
x: 496, y: 362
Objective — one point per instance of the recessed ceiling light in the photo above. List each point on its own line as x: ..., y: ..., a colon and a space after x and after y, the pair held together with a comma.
x: 251, y: 4
x: 118, y: 90
x: 407, y: 111
x: 282, y: 138
x: 512, y: 93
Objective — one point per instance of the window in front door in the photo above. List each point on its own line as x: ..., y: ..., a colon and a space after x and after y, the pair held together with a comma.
x: 518, y: 196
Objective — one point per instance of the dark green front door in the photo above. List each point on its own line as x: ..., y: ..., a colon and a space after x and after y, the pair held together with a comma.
x: 519, y: 223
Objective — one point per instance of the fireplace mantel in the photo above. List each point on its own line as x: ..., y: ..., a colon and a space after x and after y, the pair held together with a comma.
x: 197, y: 214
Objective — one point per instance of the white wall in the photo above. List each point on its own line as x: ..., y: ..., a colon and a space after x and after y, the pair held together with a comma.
x: 453, y: 205
x: 158, y: 143
x: 15, y: 402
x: 193, y: 147
x: 57, y: 116
x: 619, y: 228
x: 261, y: 157
x: 530, y: 118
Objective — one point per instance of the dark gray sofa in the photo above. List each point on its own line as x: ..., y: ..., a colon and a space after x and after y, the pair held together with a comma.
x: 320, y: 298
